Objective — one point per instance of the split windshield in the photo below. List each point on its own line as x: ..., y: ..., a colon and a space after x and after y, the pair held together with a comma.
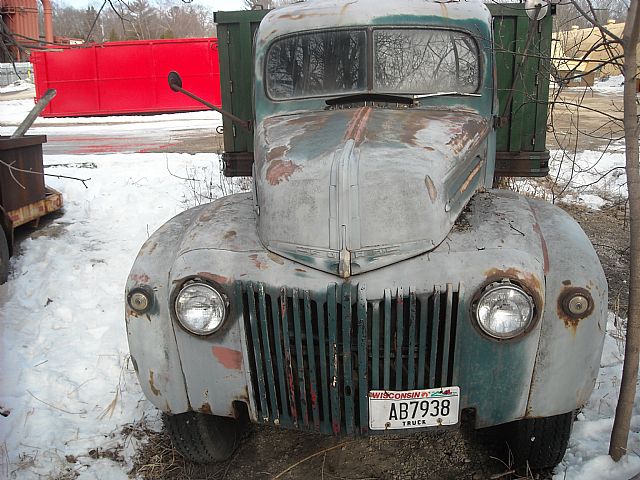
x: 408, y: 61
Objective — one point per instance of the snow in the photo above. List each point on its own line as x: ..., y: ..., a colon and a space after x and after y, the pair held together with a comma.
x: 65, y: 377
x: 18, y: 86
x: 612, y: 84
x: 66, y: 381
x: 587, y: 456
x: 592, y: 178
x: 14, y: 111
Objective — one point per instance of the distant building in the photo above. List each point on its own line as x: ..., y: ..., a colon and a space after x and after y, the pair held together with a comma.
x: 581, y: 55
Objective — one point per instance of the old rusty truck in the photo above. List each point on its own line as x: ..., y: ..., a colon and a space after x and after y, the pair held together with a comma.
x: 373, y: 281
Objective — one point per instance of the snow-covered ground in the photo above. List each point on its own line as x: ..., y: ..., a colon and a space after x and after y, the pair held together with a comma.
x: 67, y: 389
x: 589, y: 177
x: 612, y: 84
x: 65, y: 380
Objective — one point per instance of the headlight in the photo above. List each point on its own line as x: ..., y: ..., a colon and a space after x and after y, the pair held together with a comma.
x: 504, y: 310
x: 200, y: 308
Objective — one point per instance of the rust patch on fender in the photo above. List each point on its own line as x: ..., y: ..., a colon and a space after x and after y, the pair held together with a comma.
x: 543, y: 242
x: 562, y: 308
x: 229, y: 235
x: 207, y: 216
x: 302, y: 270
x: 276, y: 258
x: 431, y: 188
x: 216, y: 278
x: 152, y: 385
x: 148, y: 247
x: 260, y: 265
x: 139, y: 277
x: 566, y: 283
x: 206, y: 408
x: 279, y: 171
x: 227, y: 357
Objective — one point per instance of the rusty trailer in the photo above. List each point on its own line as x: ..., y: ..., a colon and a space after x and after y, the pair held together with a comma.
x: 24, y: 197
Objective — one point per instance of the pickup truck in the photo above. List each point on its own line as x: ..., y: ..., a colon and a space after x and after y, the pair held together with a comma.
x: 373, y: 281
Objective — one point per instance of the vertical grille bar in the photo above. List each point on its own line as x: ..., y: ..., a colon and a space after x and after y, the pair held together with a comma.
x: 332, y: 311
x: 314, y: 357
x: 422, y: 343
x: 256, y: 350
x: 277, y: 340
x: 447, y: 337
x: 433, y: 347
x: 322, y: 352
x: 375, y: 346
x: 297, y: 332
x: 363, y: 358
x: 291, y: 389
x: 411, y: 366
x: 387, y: 339
x: 266, y: 348
x: 346, y: 358
x: 311, y: 358
x: 399, y: 337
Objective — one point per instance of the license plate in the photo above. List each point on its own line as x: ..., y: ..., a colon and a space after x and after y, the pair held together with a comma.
x: 394, y: 410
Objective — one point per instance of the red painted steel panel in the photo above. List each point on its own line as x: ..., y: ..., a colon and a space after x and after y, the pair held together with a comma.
x: 127, y: 77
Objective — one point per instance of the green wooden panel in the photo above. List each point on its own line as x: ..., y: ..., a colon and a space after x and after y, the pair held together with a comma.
x: 235, y: 50
x: 521, y: 139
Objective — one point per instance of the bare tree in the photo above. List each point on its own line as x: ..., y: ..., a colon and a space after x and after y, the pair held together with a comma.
x: 624, y: 409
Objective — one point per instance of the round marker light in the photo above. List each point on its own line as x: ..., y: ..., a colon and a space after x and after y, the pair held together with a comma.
x: 577, y: 303
x: 504, y: 310
x: 200, y: 308
x: 140, y: 299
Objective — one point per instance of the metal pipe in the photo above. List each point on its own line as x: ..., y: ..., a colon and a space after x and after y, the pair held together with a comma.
x: 48, y: 20
x: 33, y: 114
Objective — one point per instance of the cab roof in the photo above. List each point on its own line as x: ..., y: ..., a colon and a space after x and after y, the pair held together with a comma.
x: 321, y: 14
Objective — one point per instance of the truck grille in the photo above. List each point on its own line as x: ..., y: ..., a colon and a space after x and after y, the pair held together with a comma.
x: 314, y: 357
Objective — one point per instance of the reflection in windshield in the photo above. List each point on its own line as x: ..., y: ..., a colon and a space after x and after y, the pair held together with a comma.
x: 406, y: 61
x: 425, y: 61
x: 322, y: 63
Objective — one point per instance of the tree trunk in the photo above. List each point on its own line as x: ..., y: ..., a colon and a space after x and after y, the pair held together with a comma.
x: 624, y: 409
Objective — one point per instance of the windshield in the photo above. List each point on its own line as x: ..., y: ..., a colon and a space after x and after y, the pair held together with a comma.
x: 404, y: 61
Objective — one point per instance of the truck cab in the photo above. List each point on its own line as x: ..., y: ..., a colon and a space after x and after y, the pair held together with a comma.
x: 373, y: 281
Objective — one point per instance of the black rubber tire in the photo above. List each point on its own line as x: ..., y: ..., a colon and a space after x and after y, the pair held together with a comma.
x: 203, y: 438
x: 4, y: 258
x: 539, y: 443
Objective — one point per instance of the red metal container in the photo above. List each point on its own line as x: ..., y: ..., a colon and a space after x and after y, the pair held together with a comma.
x: 127, y: 77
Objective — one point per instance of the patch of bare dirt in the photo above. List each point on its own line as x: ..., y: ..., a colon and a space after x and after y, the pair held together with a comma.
x: 271, y: 453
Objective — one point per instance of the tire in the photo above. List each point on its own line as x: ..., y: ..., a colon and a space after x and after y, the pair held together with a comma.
x: 203, y: 438
x: 539, y: 443
x: 4, y: 258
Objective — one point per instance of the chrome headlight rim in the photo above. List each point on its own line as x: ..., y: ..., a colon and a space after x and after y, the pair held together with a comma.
x: 505, y: 283
x: 213, y: 287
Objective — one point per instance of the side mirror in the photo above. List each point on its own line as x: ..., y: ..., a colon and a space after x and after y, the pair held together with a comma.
x: 175, y: 81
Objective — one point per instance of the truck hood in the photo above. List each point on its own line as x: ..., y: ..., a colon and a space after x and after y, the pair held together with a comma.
x: 349, y: 190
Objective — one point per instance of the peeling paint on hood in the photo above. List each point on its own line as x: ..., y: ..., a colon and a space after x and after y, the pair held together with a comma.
x: 372, y: 183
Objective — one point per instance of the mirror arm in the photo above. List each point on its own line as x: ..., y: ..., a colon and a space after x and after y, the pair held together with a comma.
x: 177, y: 87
